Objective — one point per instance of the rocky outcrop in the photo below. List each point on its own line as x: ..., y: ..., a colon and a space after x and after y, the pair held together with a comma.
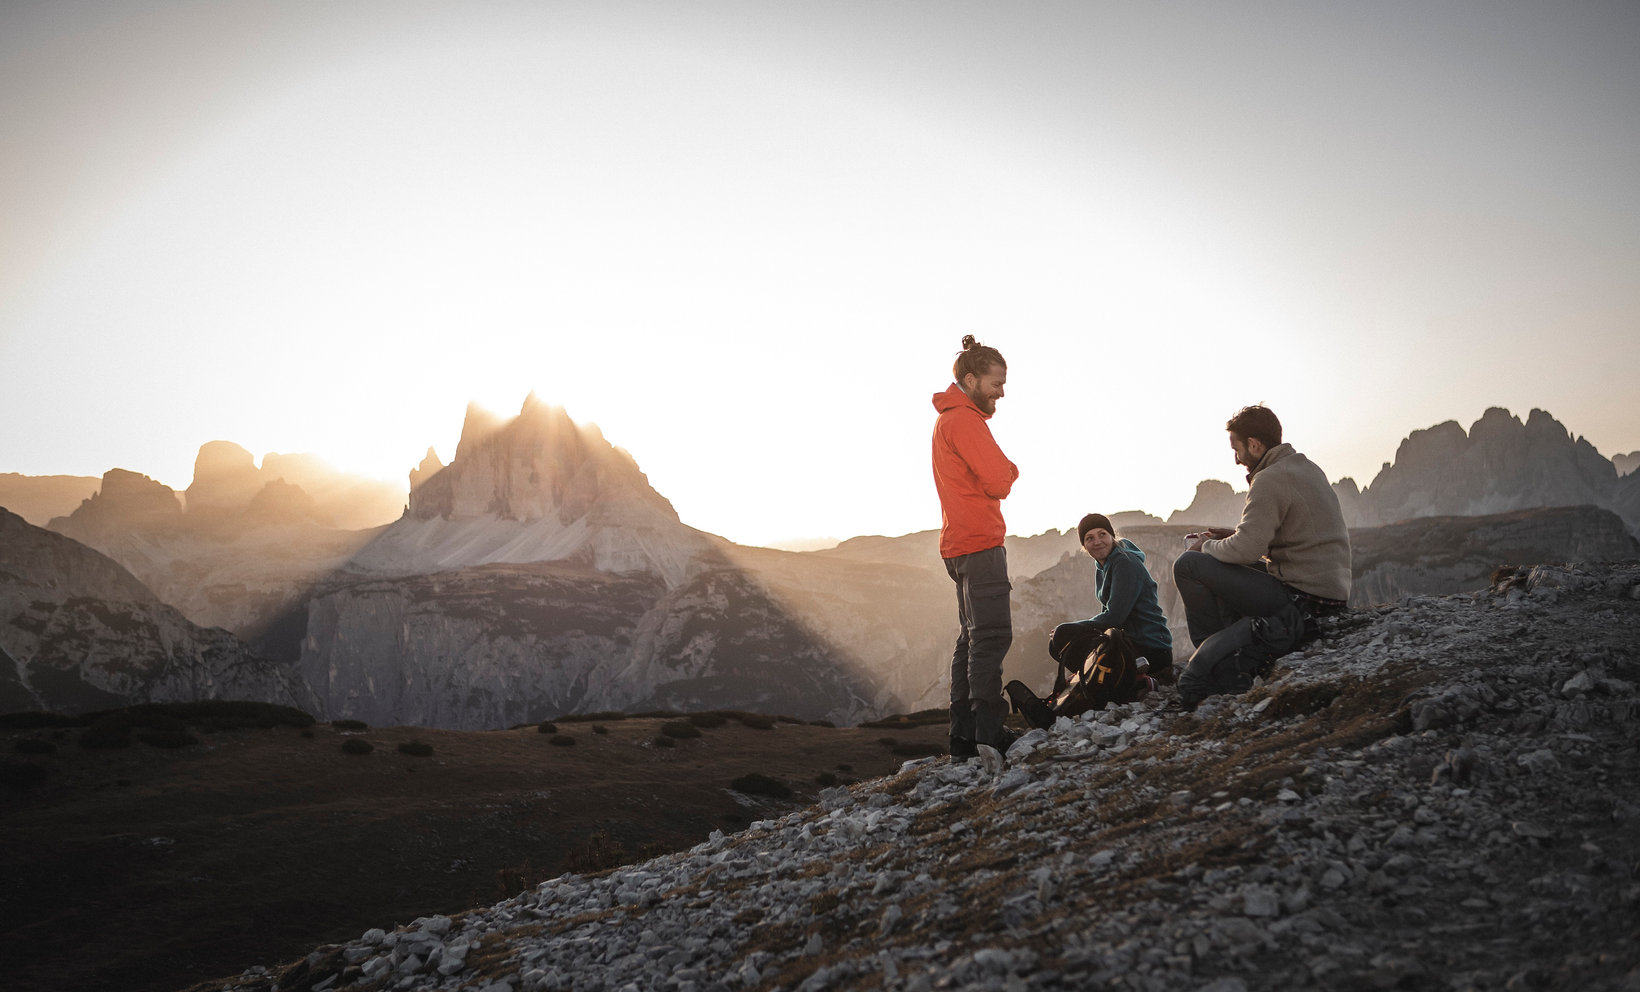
x: 1440, y: 555
x: 497, y: 645
x: 1502, y: 464
x: 429, y: 467
x: 126, y: 505
x: 1626, y: 464
x: 538, y: 487
x: 39, y: 498
x: 80, y: 633
x: 225, y: 478
x: 540, y: 465
x: 1215, y: 504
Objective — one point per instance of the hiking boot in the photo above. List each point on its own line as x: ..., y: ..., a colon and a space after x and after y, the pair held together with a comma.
x: 1005, y: 739
x: 962, y: 749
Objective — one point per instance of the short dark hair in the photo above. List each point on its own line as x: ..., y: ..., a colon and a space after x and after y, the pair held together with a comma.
x: 1256, y: 421
x: 976, y: 358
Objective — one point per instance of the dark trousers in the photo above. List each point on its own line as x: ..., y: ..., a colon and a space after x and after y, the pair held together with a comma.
x: 1216, y: 595
x: 977, y: 706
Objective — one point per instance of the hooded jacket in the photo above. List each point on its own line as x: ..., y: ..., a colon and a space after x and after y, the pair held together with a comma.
x: 1293, y: 522
x: 1128, y: 595
x: 971, y: 474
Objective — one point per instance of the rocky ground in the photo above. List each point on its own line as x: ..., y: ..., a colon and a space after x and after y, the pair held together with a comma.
x: 1440, y: 794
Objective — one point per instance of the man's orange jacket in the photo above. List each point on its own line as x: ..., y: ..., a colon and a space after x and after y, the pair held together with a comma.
x: 972, y: 476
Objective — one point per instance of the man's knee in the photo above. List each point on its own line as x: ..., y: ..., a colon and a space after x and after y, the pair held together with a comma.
x: 1191, y: 564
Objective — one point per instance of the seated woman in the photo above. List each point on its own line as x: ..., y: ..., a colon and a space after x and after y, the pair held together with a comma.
x: 1128, y: 595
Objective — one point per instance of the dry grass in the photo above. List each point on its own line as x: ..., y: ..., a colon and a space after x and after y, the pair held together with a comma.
x: 260, y: 844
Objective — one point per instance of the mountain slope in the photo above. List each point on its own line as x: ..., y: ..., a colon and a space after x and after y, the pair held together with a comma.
x: 1407, y: 804
x: 79, y: 633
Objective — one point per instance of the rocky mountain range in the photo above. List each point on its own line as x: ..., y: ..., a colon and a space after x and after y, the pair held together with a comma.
x: 78, y: 632
x: 539, y: 573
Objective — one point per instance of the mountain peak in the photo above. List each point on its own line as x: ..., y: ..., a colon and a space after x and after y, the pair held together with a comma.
x: 540, y: 464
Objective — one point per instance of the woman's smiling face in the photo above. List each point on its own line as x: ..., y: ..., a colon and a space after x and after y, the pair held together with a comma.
x: 1098, y: 543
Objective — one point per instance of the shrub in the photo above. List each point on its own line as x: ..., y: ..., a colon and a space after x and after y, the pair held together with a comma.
x: 822, y: 723
x: 657, y: 714
x: 599, y: 728
x: 845, y: 767
x: 825, y: 778
x: 357, y: 745
x: 708, y: 720
x: 350, y: 725
x: 680, y: 729
x: 34, y: 745
x: 546, y: 727
x: 601, y: 851
x: 661, y: 740
x: 756, y: 721
x: 167, y: 737
x: 511, y: 881
x: 609, y: 715
x: 755, y: 784
x: 561, y: 740
x: 887, y: 741
x: 22, y: 774
x: 416, y: 748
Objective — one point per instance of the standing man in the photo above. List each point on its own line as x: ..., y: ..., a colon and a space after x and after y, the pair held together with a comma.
x: 973, y: 476
x: 1291, y: 539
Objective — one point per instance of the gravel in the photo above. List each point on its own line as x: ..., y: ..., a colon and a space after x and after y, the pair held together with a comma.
x: 1444, y: 793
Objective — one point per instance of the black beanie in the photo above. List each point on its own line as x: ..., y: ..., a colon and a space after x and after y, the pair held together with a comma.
x: 1091, y: 521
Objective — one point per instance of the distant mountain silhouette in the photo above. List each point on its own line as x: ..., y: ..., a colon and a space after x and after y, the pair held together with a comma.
x: 538, y: 487
x: 539, y: 573
x: 38, y: 498
x: 1501, y: 464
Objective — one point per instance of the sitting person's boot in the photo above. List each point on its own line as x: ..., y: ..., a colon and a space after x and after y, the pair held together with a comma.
x: 962, y: 749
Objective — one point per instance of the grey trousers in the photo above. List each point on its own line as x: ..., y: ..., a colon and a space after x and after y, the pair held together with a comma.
x: 1216, y: 595
x: 977, y: 706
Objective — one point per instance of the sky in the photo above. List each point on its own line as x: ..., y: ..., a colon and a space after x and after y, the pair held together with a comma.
x: 746, y: 238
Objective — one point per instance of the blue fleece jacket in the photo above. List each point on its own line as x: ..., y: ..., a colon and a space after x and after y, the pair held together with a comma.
x: 1128, y: 595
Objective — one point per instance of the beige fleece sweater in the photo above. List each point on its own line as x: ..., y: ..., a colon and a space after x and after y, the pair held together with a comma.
x: 1292, y: 521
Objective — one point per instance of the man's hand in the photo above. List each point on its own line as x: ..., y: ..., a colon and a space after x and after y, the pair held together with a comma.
x: 1211, y: 533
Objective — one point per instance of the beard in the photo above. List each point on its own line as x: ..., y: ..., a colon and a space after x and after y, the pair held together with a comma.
x: 986, y: 405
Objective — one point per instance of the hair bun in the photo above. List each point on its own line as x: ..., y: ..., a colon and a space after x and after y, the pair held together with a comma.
x: 968, y: 342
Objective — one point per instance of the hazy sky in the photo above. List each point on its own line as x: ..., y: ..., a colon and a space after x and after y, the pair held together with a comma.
x: 746, y: 238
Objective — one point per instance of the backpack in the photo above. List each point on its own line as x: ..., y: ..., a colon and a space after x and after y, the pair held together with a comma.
x: 1093, y: 673
x: 1229, y: 660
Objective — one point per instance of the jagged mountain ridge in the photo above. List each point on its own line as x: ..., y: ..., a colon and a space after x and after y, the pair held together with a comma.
x: 539, y: 488
x: 79, y: 632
